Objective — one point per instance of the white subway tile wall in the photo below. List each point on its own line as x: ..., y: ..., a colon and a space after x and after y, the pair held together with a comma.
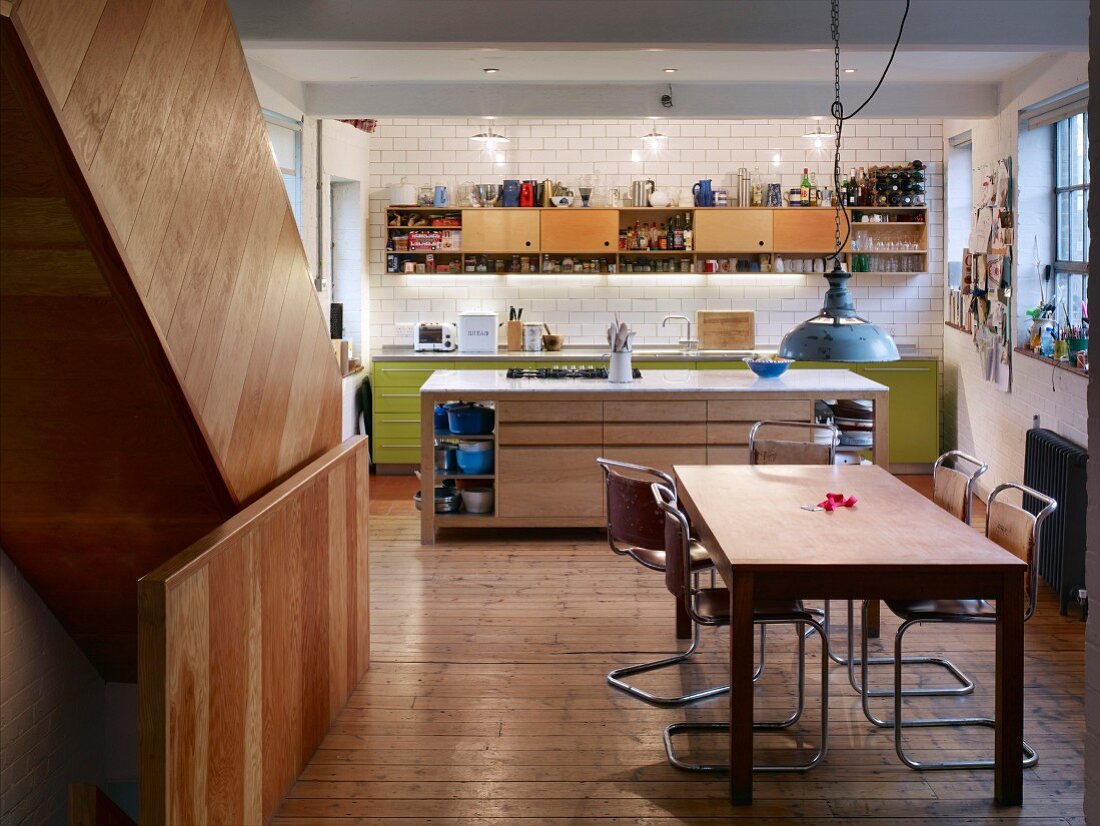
x: 438, y: 151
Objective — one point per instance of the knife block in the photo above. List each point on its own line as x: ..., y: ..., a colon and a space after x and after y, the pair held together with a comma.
x: 514, y: 331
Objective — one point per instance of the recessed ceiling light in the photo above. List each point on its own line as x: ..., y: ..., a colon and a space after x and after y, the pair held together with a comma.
x: 490, y: 71
x: 670, y: 71
x: 849, y: 71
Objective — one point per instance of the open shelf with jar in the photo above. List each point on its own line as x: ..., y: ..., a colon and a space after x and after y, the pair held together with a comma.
x: 887, y: 240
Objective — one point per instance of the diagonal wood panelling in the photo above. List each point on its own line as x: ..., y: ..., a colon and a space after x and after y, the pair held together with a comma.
x: 104, y: 472
x: 155, y: 100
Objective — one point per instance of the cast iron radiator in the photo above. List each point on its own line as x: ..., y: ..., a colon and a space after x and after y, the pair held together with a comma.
x: 1056, y: 467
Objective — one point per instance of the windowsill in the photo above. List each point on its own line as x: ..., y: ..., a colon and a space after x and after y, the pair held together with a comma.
x: 1058, y: 365
x: 954, y: 326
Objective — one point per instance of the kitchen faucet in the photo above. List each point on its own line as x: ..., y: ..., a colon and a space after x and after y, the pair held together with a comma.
x: 688, y: 343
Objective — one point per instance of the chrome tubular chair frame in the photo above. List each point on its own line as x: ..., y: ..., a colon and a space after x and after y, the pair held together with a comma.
x: 831, y: 428
x: 1031, y: 757
x: 980, y: 467
x: 799, y: 619
x: 966, y: 685
x: 616, y: 678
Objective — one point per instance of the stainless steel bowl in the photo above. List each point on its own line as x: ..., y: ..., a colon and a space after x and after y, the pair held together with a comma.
x: 447, y: 500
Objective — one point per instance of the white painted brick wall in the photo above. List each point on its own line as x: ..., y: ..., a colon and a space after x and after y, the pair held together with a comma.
x: 51, y: 708
x: 439, y: 151
x: 991, y: 424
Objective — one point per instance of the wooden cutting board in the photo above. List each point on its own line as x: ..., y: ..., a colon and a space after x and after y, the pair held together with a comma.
x: 726, y: 330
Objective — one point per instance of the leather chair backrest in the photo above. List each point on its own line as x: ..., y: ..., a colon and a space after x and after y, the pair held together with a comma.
x: 784, y: 452
x: 633, y: 517
x: 1013, y: 529
x: 676, y: 578
x: 949, y: 491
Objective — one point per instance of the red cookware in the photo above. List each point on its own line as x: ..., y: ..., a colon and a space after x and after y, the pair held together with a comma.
x: 526, y: 194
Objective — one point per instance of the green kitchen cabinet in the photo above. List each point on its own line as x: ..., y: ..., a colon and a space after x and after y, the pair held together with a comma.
x: 395, y: 388
x: 914, y: 408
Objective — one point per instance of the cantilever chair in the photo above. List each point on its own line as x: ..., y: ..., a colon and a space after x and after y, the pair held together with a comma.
x: 952, y: 490
x: 636, y: 528
x: 785, y: 451
x: 710, y: 607
x: 1014, y: 529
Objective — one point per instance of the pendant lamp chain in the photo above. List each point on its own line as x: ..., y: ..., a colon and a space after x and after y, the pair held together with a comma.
x: 838, y: 125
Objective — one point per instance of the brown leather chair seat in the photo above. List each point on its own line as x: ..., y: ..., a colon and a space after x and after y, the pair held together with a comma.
x: 941, y: 608
x: 655, y: 559
x: 714, y: 604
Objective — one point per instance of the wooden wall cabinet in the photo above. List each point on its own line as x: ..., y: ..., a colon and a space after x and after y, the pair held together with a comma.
x: 733, y: 230
x: 804, y: 230
x: 500, y: 230
x: 580, y: 230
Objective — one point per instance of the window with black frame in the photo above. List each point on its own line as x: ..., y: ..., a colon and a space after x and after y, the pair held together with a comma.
x: 1071, y: 226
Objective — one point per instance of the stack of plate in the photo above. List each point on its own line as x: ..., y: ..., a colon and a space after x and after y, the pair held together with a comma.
x: 855, y: 421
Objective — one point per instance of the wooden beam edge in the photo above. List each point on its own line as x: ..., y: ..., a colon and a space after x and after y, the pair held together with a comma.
x: 187, y: 561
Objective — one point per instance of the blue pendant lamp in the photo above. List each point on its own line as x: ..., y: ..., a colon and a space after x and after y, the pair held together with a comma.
x: 837, y: 333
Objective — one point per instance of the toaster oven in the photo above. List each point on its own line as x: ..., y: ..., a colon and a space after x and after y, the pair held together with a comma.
x: 433, y: 336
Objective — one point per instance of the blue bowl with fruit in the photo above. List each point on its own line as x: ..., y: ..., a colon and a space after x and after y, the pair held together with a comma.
x: 769, y: 368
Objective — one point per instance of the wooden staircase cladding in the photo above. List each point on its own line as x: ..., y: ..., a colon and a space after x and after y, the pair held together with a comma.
x: 157, y: 104
x: 251, y: 642
x: 163, y: 358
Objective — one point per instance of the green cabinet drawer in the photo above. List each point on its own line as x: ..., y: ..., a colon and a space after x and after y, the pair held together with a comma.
x: 914, y: 408
x: 396, y: 427
x: 397, y: 400
x: 396, y: 451
x: 404, y: 374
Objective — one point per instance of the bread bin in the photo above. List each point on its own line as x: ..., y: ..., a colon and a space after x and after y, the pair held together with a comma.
x: 402, y: 194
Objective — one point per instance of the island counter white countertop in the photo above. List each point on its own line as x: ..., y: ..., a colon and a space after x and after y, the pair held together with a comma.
x: 825, y: 384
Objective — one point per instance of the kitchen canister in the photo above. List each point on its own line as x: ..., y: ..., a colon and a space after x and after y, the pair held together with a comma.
x: 532, y: 336
x: 619, y: 368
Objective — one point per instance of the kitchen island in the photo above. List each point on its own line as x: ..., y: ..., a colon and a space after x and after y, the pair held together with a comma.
x: 548, y: 433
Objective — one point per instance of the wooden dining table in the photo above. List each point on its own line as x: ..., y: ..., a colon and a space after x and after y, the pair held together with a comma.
x: 893, y: 544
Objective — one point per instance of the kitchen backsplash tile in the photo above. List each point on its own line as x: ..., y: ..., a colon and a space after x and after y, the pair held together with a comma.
x: 439, y: 151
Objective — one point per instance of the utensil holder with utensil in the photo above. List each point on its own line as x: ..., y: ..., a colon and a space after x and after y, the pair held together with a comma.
x: 619, y: 368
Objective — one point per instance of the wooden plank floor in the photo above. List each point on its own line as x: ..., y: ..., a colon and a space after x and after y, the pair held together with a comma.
x: 486, y: 702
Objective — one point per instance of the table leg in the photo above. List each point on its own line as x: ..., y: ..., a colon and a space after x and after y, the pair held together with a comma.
x: 741, y: 690
x: 1008, y: 783
x: 872, y: 619
x: 683, y: 622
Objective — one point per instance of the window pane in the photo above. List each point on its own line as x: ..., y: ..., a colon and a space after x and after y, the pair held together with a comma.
x: 1063, y: 222
x: 1061, y: 153
x: 1076, y: 150
x: 1076, y: 240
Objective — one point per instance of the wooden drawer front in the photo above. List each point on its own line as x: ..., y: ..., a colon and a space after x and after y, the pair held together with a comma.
x: 549, y: 482
x: 737, y: 433
x: 500, y: 230
x: 403, y: 376
x: 662, y: 458
x: 397, y: 427
x: 654, y: 433
x: 733, y: 230
x: 803, y: 230
x: 757, y: 410
x: 564, y: 433
x: 580, y: 230
x: 672, y: 411
x: 727, y: 455
x: 550, y: 411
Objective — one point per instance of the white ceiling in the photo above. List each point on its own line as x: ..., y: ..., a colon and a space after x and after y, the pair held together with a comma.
x: 625, y: 65
x: 562, y: 58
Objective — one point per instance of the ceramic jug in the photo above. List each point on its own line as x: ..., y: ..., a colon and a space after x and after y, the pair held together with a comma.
x: 527, y: 194
x: 704, y: 195
x: 440, y: 198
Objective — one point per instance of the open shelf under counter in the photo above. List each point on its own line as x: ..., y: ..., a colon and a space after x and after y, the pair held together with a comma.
x: 468, y: 437
x: 458, y: 476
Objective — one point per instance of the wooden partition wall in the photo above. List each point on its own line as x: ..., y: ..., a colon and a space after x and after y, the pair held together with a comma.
x: 250, y: 642
x: 155, y: 101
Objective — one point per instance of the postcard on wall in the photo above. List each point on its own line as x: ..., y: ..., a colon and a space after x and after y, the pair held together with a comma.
x: 983, y: 229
